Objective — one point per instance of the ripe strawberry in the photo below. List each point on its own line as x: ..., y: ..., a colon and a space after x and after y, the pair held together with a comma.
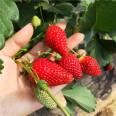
x: 51, y: 72
x: 90, y: 66
x: 43, y: 97
x: 108, y: 67
x: 55, y: 38
x: 71, y: 64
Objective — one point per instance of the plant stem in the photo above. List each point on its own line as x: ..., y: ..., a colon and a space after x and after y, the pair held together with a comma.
x: 74, y: 52
x: 41, y: 14
x: 56, y: 101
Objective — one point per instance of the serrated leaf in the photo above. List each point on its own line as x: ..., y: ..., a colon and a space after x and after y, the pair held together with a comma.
x: 8, y: 13
x: 82, y: 96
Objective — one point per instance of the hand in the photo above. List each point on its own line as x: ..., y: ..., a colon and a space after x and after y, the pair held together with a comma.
x: 16, y: 97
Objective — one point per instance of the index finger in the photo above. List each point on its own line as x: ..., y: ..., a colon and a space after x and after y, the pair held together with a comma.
x: 72, y: 42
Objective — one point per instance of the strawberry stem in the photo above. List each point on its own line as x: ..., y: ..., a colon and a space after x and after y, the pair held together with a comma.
x: 77, y: 54
x: 28, y: 69
x: 56, y: 101
x: 74, y: 52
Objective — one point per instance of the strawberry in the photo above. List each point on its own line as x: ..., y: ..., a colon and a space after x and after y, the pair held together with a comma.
x: 108, y: 67
x: 90, y: 66
x: 51, y: 72
x: 43, y: 97
x: 55, y: 38
x: 71, y: 64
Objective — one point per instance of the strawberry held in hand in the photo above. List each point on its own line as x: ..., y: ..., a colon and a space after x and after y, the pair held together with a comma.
x: 55, y: 38
x: 71, y: 64
x: 51, y: 72
x: 90, y: 66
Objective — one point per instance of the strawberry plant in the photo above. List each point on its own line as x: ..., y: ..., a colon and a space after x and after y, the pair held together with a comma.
x: 95, y: 19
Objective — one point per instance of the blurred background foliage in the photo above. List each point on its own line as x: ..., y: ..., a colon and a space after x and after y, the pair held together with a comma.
x: 96, y: 19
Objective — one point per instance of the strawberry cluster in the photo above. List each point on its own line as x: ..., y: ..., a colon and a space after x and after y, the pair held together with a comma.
x: 68, y: 67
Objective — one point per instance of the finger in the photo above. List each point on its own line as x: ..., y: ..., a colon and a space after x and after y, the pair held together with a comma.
x: 56, y: 89
x: 72, y: 42
x: 82, y: 52
x: 75, y: 40
x: 62, y: 25
x: 60, y: 96
x: 17, y: 41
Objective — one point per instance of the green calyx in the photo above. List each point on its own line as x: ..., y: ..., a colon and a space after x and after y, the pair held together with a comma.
x: 57, y: 56
x: 42, y: 85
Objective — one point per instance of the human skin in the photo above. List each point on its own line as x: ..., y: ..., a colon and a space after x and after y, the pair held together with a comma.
x: 16, y: 96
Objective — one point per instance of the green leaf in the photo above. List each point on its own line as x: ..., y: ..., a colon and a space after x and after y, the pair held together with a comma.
x: 113, y: 35
x: 45, y: 5
x: 70, y: 107
x: 6, y: 26
x: 66, y: 8
x: 2, y: 41
x: 9, y: 8
x: 88, y: 36
x: 82, y: 96
x: 12, y: 10
x: 105, y: 16
x: 86, y: 3
x: 87, y: 22
x: 98, y: 51
x: 8, y: 13
x: 109, y: 45
x: 26, y: 13
x: 1, y: 65
x: 108, y: 41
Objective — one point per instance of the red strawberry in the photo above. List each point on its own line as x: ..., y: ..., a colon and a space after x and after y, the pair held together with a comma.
x: 71, y: 64
x: 108, y: 67
x: 55, y: 38
x: 51, y: 72
x: 90, y: 66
